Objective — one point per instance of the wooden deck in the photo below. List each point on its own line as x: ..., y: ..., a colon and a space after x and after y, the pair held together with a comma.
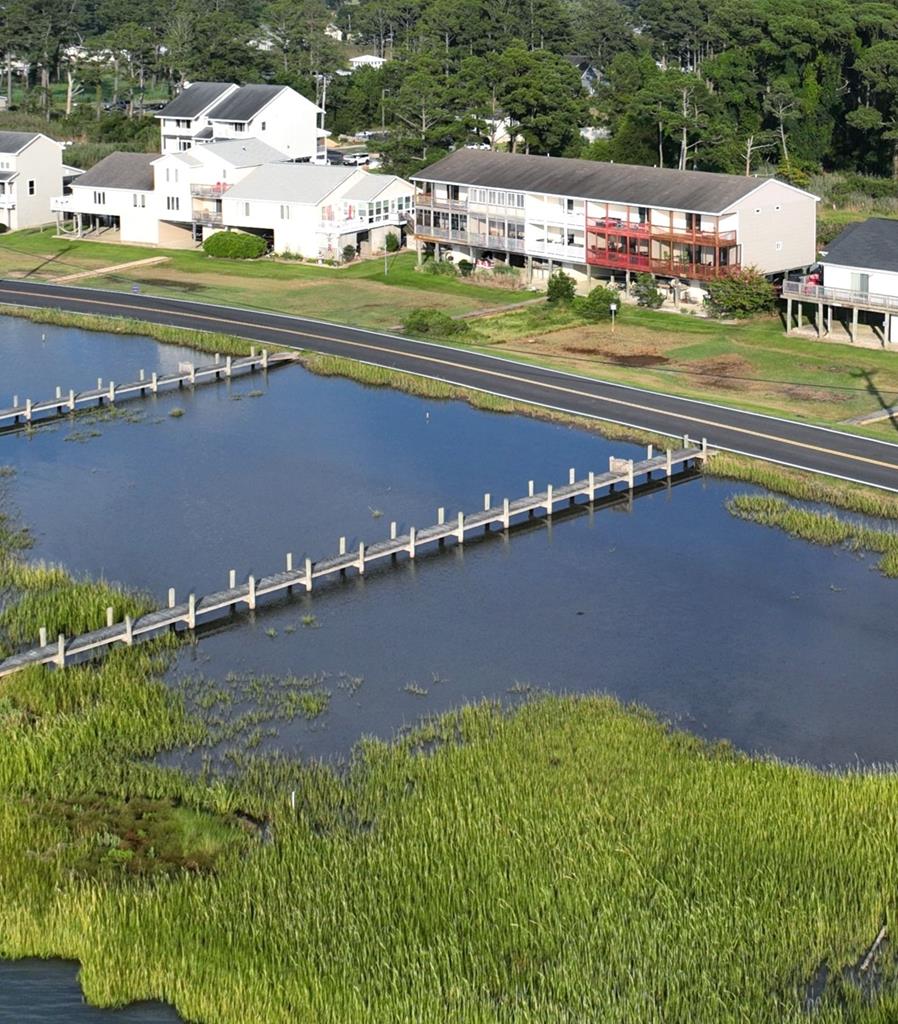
x: 186, y: 614
x: 63, y: 403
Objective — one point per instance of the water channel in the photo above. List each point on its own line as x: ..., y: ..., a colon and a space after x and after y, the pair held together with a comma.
x: 723, y: 627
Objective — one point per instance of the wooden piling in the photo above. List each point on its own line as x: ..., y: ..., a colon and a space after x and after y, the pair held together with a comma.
x: 191, y: 611
x: 308, y: 579
x: 412, y: 536
x: 251, y: 593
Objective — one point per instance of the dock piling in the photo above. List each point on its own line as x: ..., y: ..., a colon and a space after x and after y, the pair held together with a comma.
x: 441, y: 517
x: 460, y: 532
x: 228, y: 366
x: 42, y: 636
x: 232, y: 579
x: 649, y: 452
x: 128, y: 633
x: 506, y: 516
x: 264, y: 358
x: 27, y: 410
x: 289, y: 561
x: 308, y: 580
x: 112, y: 391
x: 342, y: 545
x: 361, y: 561
x: 110, y: 616
x: 71, y: 399
x: 530, y: 490
x: 251, y: 593
x: 412, y: 537
x: 191, y: 611
x: 592, y: 486
x: 486, y: 502
x: 154, y: 382
x: 571, y: 475
x: 60, y: 650
x: 668, y: 468
x: 550, y: 501
x: 630, y: 476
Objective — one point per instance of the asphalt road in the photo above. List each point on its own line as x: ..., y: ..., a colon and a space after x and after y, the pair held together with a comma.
x: 821, y: 450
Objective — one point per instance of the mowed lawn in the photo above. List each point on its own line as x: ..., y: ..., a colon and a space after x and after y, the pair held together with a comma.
x: 361, y: 294
x: 752, y: 365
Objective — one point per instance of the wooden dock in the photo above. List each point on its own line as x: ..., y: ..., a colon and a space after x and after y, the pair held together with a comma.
x: 185, y: 614
x: 188, y: 375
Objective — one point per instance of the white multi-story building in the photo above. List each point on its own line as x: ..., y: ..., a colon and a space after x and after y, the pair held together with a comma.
x: 540, y: 212
x: 207, y: 112
x: 31, y: 174
x: 179, y: 199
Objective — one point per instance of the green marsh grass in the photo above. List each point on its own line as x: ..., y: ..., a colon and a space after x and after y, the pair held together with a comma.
x: 818, y: 527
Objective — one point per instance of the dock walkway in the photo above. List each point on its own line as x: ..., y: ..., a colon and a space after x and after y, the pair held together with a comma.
x: 62, y: 403
x: 186, y: 613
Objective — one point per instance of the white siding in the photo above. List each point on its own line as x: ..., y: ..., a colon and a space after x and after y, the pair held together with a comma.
x: 881, y: 282
x: 289, y: 123
x: 39, y: 163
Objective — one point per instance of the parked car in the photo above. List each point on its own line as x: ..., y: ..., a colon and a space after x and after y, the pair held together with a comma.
x: 336, y: 157
x: 356, y: 159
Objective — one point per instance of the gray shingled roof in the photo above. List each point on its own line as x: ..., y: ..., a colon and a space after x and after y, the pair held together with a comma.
x: 291, y: 183
x: 193, y: 100
x: 244, y: 102
x: 869, y: 244
x: 121, y: 170
x: 15, y: 142
x: 699, y: 191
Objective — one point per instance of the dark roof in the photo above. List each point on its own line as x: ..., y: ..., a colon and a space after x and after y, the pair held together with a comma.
x: 193, y: 100
x: 121, y: 170
x: 14, y: 142
x: 868, y: 244
x: 699, y: 191
x: 245, y: 102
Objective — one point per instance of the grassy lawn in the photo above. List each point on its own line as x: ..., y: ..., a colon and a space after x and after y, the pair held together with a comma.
x: 751, y: 365
x: 361, y: 295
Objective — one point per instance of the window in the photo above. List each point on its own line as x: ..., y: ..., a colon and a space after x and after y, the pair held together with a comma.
x: 184, y: 145
x: 140, y: 201
x: 777, y: 207
x: 31, y: 188
x: 99, y: 198
x: 246, y: 209
x: 570, y: 205
x: 779, y: 246
x: 757, y: 209
x: 571, y: 240
x: 239, y: 126
x: 285, y: 213
x: 264, y: 126
x: 172, y: 203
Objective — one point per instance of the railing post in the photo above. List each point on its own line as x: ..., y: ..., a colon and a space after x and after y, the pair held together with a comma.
x: 308, y: 574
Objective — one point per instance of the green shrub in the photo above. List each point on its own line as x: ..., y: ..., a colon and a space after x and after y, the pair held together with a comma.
x: 234, y: 245
x: 747, y: 293
x: 561, y: 288
x: 433, y: 323
x: 348, y: 253
x: 465, y: 268
x: 597, y: 305
x: 392, y: 242
x: 646, y: 291
x: 504, y: 270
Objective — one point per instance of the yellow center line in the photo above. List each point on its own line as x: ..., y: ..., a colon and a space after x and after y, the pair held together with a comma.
x: 689, y: 418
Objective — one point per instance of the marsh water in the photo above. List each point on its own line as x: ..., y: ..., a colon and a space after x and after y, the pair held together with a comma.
x: 723, y: 627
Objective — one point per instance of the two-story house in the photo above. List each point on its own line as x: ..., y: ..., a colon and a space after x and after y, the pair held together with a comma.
x: 595, y: 218
x: 207, y: 112
x: 31, y: 174
x: 113, y: 200
x: 184, y: 122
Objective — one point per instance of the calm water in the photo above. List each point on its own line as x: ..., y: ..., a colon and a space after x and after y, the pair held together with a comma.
x: 727, y: 628
x: 41, y: 991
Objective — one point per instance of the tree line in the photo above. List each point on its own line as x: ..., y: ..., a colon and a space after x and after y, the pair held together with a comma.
x: 724, y: 85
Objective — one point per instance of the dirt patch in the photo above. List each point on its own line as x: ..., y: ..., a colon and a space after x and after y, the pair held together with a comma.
x: 619, y: 358
x: 169, y: 282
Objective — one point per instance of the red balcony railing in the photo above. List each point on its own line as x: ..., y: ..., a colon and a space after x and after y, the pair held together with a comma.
x: 643, y: 229
x: 666, y: 268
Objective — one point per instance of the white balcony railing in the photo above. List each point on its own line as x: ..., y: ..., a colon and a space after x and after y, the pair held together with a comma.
x: 839, y: 296
x: 575, y: 252
x: 7, y: 202
x: 60, y: 204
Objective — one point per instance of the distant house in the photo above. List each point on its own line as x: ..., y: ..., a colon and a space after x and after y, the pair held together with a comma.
x: 589, y: 77
x: 858, y: 274
x: 366, y: 60
x: 207, y: 112
x: 31, y: 174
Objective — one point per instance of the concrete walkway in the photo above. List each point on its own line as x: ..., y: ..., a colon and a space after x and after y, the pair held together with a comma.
x: 101, y: 271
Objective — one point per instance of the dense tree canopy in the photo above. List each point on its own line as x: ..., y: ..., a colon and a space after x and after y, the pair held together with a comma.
x: 716, y: 84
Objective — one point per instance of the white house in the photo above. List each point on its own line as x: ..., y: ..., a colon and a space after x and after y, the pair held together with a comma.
x: 179, y: 199
x: 316, y: 212
x: 858, y: 276
x: 366, y: 60
x: 31, y: 174
x: 207, y: 112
